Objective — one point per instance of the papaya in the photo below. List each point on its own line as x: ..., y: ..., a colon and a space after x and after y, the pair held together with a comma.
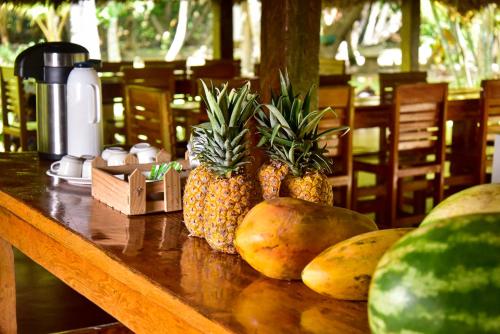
x: 484, y: 198
x: 344, y: 270
x: 279, y: 237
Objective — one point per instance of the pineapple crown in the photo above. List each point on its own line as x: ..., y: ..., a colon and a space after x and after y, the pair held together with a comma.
x: 221, y: 144
x: 289, y: 131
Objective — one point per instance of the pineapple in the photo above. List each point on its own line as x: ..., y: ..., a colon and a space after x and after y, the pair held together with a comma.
x: 196, y: 187
x: 289, y: 134
x: 194, y: 199
x: 232, y: 192
x: 270, y: 177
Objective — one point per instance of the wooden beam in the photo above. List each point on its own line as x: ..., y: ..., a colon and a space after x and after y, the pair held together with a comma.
x: 222, y: 11
x: 290, y: 40
x: 410, y: 35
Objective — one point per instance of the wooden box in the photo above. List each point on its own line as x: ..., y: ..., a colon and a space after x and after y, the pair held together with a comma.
x: 130, y: 192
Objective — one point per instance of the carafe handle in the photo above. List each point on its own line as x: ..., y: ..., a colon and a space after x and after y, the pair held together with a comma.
x: 95, y: 114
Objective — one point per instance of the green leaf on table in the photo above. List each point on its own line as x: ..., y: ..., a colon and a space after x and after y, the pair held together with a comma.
x: 159, y: 171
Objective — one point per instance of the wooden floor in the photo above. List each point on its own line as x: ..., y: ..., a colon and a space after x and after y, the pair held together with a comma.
x: 47, y: 305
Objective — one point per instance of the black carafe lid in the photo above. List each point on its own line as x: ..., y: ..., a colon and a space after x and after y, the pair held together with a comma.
x: 31, y: 63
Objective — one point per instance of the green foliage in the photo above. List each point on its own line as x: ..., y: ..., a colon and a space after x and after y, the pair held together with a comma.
x: 222, y: 144
x: 290, y: 130
x: 466, y: 44
x: 158, y: 171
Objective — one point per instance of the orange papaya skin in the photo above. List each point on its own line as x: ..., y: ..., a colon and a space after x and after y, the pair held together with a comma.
x: 279, y: 237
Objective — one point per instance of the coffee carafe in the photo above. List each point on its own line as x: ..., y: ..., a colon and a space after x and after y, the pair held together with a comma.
x: 84, y: 110
x: 50, y: 65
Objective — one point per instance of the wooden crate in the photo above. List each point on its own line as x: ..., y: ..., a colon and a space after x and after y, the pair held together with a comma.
x: 132, y: 194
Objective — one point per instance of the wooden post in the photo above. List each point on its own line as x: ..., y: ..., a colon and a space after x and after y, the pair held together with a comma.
x: 410, y: 35
x: 290, y: 39
x: 222, y: 32
x: 8, y: 322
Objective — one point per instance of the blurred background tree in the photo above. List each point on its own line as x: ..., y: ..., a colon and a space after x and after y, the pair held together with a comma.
x: 458, y: 43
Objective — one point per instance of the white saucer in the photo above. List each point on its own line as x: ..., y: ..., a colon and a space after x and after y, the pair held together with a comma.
x: 71, y: 180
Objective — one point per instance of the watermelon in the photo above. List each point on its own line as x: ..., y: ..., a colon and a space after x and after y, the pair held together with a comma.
x: 484, y: 198
x: 440, y: 278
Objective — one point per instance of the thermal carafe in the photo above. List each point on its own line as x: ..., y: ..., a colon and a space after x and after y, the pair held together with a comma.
x: 84, y: 111
x: 50, y: 65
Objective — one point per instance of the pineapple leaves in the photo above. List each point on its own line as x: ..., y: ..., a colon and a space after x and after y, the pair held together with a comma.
x: 290, y: 131
x: 213, y: 109
x: 222, y: 144
x: 343, y: 129
x: 239, y: 101
x: 279, y: 117
x: 275, y: 132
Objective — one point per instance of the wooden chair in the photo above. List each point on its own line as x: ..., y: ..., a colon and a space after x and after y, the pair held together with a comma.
x: 416, y: 148
x: 112, y: 93
x: 149, y: 117
x: 220, y: 70
x: 334, y: 80
x: 341, y: 100
x: 469, y: 167
x: 17, y: 129
x: 176, y: 64
x: 152, y: 76
x: 388, y: 82
x: 489, y: 126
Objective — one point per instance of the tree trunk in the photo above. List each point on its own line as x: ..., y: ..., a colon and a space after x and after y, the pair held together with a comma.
x: 341, y: 28
x: 290, y: 40
x: 113, y: 42
x: 180, y: 32
x: 246, y: 54
x: 83, y: 26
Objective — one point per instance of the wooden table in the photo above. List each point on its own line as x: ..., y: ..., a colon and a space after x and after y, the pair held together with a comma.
x: 146, y: 271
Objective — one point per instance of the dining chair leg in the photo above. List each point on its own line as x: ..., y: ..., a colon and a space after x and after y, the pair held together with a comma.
x: 6, y: 142
x: 354, y: 187
x: 348, y: 196
x: 392, y: 200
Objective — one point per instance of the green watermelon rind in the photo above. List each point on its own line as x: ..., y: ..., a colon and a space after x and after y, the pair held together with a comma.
x: 484, y: 198
x: 457, y: 259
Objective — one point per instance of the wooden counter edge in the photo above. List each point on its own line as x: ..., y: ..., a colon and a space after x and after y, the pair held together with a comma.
x: 94, y: 262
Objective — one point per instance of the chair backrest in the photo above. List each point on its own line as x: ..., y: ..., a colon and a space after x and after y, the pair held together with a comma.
x: 329, y: 66
x: 490, y: 122
x: 334, y: 80
x: 152, y: 76
x: 149, y: 117
x: 418, y: 121
x: 14, y: 108
x: 341, y: 100
x: 388, y: 81
x: 12, y: 96
x: 216, y: 69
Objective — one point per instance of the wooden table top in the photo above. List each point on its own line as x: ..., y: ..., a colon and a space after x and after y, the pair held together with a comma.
x: 146, y: 271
